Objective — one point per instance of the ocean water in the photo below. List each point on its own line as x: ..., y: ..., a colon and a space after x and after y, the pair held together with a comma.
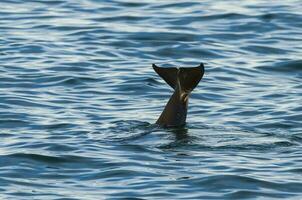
x: 79, y: 98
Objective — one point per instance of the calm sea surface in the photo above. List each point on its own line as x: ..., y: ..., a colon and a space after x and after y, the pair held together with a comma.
x: 79, y: 98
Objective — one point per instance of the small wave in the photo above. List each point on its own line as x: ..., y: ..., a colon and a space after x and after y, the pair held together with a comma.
x: 11, y: 123
x: 285, y: 67
x: 40, y: 158
x: 264, y: 49
x: 233, y: 16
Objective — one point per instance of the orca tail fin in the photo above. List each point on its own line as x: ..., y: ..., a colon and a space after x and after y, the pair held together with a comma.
x: 168, y: 74
x: 189, y: 77
x: 186, y: 79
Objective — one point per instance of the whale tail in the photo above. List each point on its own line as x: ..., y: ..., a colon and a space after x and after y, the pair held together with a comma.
x: 183, y: 79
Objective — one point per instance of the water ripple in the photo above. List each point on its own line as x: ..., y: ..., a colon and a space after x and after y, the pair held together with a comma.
x: 79, y: 99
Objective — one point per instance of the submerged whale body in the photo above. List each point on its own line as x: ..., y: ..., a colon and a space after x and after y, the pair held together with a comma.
x: 183, y: 81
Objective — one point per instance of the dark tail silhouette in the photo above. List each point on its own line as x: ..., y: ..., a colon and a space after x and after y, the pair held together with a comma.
x: 183, y: 81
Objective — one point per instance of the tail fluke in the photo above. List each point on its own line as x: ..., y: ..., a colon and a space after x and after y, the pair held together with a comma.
x: 185, y: 78
x: 168, y: 74
x: 190, y: 77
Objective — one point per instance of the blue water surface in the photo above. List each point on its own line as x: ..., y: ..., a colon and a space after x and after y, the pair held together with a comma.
x: 79, y: 98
